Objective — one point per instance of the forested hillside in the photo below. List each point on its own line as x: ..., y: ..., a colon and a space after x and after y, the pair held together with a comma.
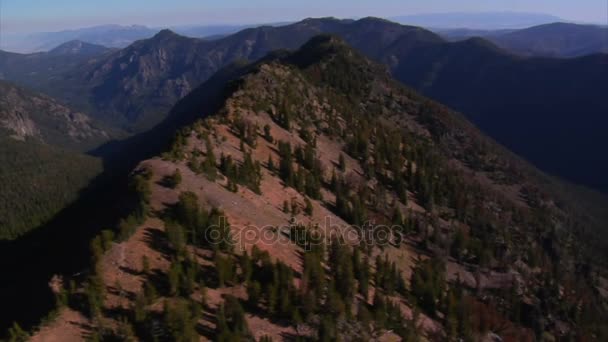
x: 37, y: 181
x: 503, y: 94
x: 325, y: 201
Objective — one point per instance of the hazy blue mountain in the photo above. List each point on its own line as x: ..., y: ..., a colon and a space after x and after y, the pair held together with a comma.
x: 459, y: 34
x: 555, y: 40
x: 549, y: 40
x: 78, y: 47
x: 215, y: 31
x: 105, y: 35
x: 36, y: 70
x: 113, y: 36
x: 478, y: 21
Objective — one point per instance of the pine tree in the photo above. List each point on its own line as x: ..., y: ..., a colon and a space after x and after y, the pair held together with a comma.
x: 139, y: 310
x: 270, y: 164
x: 341, y: 265
x: 308, y: 207
x: 341, y: 163
x: 254, y: 293
x: 209, y: 165
x: 380, y: 310
x: 286, y: 207
x: 286, y: 164
x: 175, y: 275
x: 145, y: 262
x: 175, y: 179
x: 363, y: 278
x: 95, y: 295
x: 150, y: 293
x: 17, y: 334
x: 180, y: 319
x: 327, y: 330
x: 267, y: 134
x: 176, y: 236
x: 225, y: 269
x: 428, y: 283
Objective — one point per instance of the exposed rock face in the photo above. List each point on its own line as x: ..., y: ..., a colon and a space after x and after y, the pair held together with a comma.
x: 137, y: 86
x: 29, y: 115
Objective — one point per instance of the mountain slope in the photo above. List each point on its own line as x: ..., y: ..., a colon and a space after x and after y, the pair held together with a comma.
x: 37, y: 182
x: 27, y: 115
x: 542, y: 109
x: 36, y: 70
x: 142, y: 81
x: 501, y: 93
x: 555, y: 40
x: 137, y: 86
x: 325, y: 201
x: 41, y: 169
x: 78, y: 47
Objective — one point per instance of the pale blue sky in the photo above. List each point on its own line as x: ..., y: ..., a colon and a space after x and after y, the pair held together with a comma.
x: 49, y: 15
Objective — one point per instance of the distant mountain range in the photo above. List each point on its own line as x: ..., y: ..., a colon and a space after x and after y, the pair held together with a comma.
x: 113, y: 36
x: 521, y: 33
x: 477, y: 21
x: 35, y: 69
x: 549, y: 40
x: 79, y: 48
x: 120, y: 36
x: 536, y: 107
x: 107, y: 35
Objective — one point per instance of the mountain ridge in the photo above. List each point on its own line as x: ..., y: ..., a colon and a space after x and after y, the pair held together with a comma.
x: 416, y: 57
x: 322, y: 133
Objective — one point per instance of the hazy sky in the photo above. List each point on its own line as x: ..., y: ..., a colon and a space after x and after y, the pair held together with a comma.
x: 49, y: 15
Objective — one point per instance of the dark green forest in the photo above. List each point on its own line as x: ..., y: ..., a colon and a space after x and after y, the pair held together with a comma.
x: 37, y: 182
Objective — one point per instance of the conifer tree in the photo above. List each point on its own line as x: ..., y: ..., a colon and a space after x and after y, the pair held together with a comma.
x: 267, y: 134
x: 270, y: 164
x: 17, y: 334
x: 286, y: 164
x: 308, y: 207
x: 175, y: 179
x: 209, y: 165
x: 341, y: 163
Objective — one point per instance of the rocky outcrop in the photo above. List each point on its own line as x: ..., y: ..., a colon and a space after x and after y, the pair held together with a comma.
x: 28, y: 115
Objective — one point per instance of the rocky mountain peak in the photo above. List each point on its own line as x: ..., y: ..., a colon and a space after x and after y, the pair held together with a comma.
x: 165, y: 34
